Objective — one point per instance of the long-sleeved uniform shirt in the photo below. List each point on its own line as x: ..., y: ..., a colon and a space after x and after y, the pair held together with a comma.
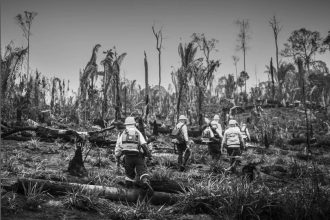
x: 119, y: 144
x: 219, y: 128
x: 184, y: 131
x: 232, y: 137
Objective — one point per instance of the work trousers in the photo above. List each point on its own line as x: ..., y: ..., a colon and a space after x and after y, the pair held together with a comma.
x: 233, y: 151
x: 135, y: 166
x: 214, y: 150
x: 184, y: 154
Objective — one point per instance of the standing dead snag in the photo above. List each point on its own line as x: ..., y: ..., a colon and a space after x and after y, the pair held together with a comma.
x: 243, y: 37
x: 25, y: 24
x: 272, y: 75
x: 301, y: 72
x: 147, y: 85
x: 159, y: 41
x: 274, y: 23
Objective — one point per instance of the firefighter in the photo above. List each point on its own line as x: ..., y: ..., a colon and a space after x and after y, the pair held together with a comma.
x: 132, y: 145
x: 216, y: 120
x: 233, y: 142
x: 212, y: 137
x: 182, y: 142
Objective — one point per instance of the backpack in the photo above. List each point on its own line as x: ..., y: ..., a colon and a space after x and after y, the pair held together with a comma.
x: 130, y: 142
x: 215, y: 133
x: 176, y: 134
x: 206, y: 135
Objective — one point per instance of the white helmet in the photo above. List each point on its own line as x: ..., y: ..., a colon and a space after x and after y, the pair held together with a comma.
x: 130, y: 121
x: 216, y: 117
x: 182, y: 117
x: 232, y: 122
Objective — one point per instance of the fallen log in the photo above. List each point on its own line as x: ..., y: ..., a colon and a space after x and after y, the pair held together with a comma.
x: 112, y: 193
x: 51, y: 133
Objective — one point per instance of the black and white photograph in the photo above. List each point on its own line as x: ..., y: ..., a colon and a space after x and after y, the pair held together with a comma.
x: 165, y: 109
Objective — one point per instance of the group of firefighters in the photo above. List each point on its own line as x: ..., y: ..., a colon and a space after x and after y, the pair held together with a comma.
x: 132, y: 145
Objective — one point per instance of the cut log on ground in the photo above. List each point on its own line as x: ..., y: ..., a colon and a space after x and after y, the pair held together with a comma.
x: 111, y: 193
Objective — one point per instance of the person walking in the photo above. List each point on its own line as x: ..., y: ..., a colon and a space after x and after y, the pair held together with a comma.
x: 212, y: 138
x: 132, y: 145
x: 181, y: 140
x: 233, y: 142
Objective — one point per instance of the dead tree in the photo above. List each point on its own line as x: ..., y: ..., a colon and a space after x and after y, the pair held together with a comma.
x: 301, y: 73
x: 159, y: 41
x: 25, y: 24
x: 243, y: 37
x: 147, y: 85
x: 272, y: 75
x: 274, y: 23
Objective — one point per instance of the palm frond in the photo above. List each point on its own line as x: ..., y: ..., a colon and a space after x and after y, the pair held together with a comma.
x: 120, y: 59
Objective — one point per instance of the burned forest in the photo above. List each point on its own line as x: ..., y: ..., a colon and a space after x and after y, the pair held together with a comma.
x: 210, y: 145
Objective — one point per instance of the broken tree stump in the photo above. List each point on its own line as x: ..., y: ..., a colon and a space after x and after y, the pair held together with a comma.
x: 76, y: 165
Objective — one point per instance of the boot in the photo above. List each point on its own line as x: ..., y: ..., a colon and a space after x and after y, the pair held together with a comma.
x: 146, y: 185
x: 129, y: 183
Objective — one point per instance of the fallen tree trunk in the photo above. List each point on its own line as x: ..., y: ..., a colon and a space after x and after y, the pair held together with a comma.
x: 51, y: 133
x: 112, y: 193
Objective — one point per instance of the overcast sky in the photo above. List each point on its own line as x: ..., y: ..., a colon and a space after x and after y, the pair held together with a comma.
x: 65, y: 31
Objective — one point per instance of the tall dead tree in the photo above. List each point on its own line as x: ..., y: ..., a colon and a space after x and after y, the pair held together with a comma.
x: 243, y: 37
x: 272, y: 75
x: 275, y: 24
x: 235, y: 59
x: 159, y: 40
x: 301, y: 73
x: 24, y: 22
x: 147, y: 84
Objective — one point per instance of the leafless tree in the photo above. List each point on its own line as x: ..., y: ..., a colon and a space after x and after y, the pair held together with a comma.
x: 24, y: 22
x: 159, y: 41
x: 146, y: 85
x: 275, y: 24
x: 243, y: 37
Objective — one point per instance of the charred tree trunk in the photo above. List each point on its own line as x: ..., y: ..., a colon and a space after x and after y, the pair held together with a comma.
x: 200, y: 102
x: 179, y: 102
x: 272, y: 75
x: 76, y: 165
x: 118, y: 102
x: 125, y: 101
x: 302, y: 75
x: 147, y: 85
